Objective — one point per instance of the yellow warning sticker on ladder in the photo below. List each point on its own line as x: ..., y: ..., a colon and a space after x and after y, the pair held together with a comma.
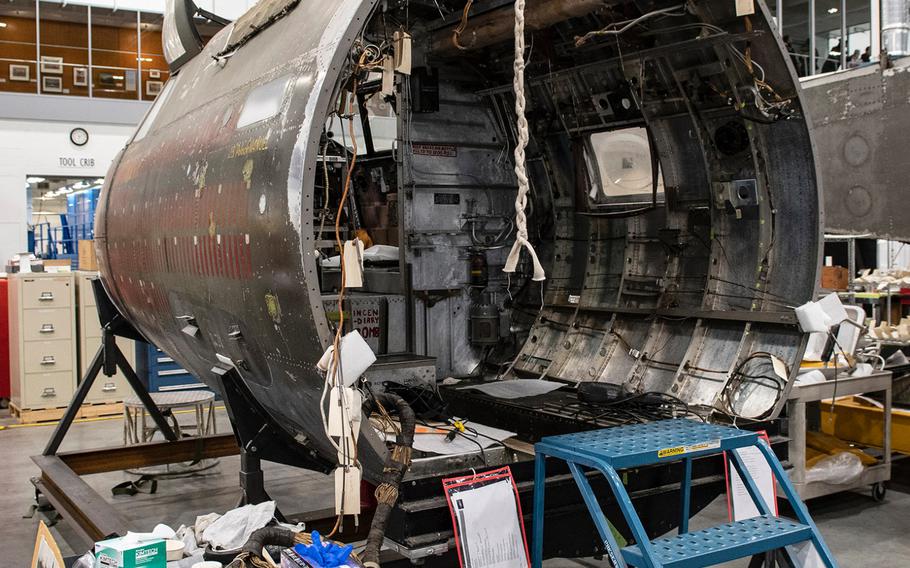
x: 680, y: 450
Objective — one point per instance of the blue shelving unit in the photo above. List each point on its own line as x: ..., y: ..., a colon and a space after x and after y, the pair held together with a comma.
x: 629, y: 447
x: 161, y: 373
x: 77, y: 224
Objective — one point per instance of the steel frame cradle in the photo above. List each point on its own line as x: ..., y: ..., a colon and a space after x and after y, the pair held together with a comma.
x: 625, y: 447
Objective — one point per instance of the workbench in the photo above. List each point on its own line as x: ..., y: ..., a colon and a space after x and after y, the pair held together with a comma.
x: 800, y: 395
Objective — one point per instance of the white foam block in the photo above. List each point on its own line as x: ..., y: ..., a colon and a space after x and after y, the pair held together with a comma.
x: 833, y: 308
x: 356, y: 357
x: 812, y: 318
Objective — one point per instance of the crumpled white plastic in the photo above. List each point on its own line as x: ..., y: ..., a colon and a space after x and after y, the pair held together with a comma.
x: 376, y: 253
x: 839, y: 469
x: 234, y: 528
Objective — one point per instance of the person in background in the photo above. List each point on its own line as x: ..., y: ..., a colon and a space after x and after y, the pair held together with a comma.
x: 853, y: 61
x: 832, y: 62
x: 866, y: 57
x: 797, y: 62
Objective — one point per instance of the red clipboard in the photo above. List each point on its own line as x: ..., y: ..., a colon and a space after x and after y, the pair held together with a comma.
x: 727, y: 465
x: 480, y: 480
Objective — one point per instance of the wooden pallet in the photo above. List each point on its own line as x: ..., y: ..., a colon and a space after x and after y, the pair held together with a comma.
x: 53, y: 414
x: 99, y: 409
x: 36, y: 415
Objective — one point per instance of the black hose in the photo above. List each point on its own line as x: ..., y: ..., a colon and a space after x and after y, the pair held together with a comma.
x: 274, y: 536
x: 396, y: 465
x: 252, y: 548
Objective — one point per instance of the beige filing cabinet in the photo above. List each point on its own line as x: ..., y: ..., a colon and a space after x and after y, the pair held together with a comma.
x: 105, y: 389
x: 42, y: 335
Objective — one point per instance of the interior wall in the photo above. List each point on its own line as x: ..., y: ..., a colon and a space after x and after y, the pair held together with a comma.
x: 36, y: 148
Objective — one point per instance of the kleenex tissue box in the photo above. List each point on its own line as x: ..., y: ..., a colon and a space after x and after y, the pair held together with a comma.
x: 125, y: 552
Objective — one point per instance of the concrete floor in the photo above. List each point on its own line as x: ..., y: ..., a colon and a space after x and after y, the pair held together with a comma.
x: 859, y: 531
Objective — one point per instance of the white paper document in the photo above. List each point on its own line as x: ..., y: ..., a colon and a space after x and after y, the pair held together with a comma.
x: 488, y: 526
x: 518, y: 388
x: 758, y: 468
x: 744, y: 507
x: 485, y: 437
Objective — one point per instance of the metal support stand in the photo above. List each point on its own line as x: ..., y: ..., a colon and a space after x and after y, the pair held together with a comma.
x: 251, y: 480
x: 108, y: 359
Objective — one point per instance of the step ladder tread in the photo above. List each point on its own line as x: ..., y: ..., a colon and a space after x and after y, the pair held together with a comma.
x: 723, y: 542
x: 679, y: 436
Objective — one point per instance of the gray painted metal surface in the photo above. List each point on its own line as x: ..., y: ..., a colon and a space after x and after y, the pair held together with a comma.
x: 861, y: 122
x: 206, y: 240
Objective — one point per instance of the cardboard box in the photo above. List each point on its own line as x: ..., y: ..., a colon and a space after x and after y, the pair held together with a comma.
x: 835, y: 278
x: 58, y: 265
x: 129, y: 553
x: 87, y: 260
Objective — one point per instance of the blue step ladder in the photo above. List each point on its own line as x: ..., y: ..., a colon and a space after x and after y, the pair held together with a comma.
x: 625, y: 447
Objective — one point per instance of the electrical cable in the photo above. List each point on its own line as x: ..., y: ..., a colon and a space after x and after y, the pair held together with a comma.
x: 456, y: 35
x: 629, y: 24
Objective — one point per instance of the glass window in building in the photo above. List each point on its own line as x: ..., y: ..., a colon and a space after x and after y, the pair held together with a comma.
x: 18, y: 47
x: 153, y: 67
x: 63, y: 49
x: 115, y: 54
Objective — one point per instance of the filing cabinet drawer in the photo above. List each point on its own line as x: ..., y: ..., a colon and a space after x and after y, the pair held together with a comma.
x: 45, y: 325
x: 46, y: 292
x: 85, y: 290
x: 91, y: 330
x: 46, y: 390
x: 107, y: 389
x: 48, y: 356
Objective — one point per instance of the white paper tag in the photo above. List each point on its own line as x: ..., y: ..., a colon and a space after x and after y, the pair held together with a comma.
x: 745, y: 7
x: 347, y: 490
x: 353, y: 263
x: 344, y: 414
x: 780, y: 368
x: 388, y: 77
x: 403, y: 52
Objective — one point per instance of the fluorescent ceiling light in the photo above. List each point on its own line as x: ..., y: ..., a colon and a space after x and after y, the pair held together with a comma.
x: 34, y: 179
x: 833, y: 10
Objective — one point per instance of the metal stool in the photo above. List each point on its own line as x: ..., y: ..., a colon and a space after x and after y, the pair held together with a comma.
x: 137, y: 431
x: 639, y: 445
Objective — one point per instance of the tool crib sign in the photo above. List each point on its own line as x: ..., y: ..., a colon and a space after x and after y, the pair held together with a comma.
x: 73, y: 162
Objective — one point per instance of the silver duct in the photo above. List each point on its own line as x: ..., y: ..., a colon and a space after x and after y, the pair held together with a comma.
x: 896, y: 27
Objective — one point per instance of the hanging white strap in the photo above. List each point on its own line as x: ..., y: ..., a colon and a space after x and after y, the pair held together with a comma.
x: 521, y: 199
